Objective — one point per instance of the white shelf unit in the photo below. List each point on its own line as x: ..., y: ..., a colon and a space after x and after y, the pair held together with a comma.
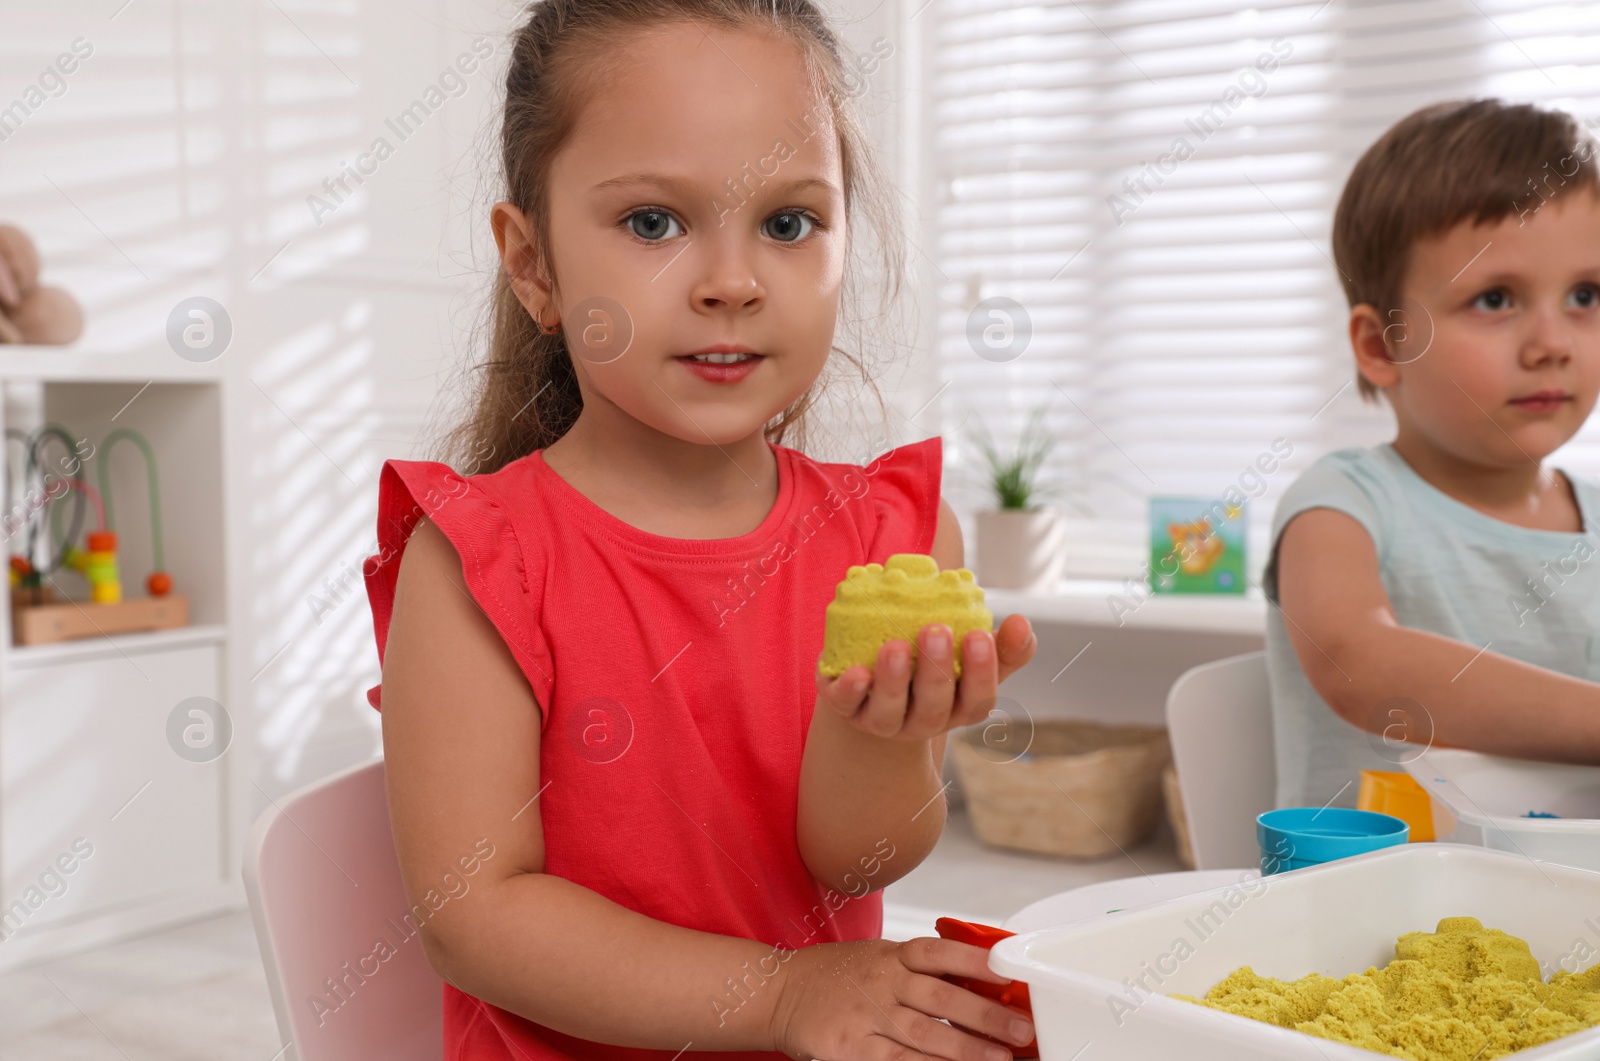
x: 84, y: 752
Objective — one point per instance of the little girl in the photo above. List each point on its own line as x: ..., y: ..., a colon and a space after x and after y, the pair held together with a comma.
x: 600, y: 693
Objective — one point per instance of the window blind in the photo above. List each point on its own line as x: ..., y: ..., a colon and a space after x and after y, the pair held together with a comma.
x: 1144, y: 190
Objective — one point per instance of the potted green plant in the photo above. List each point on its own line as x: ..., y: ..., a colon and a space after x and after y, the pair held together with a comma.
x: 1019, y: 540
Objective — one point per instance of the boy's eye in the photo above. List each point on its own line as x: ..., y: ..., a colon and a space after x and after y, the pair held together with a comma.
x: 789, y: 226
x: 653, y: 225
x: 1493, y: 300
x: 1586, y: 296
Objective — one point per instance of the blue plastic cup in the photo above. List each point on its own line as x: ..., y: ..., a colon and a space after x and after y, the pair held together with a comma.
x: 1297, y: 837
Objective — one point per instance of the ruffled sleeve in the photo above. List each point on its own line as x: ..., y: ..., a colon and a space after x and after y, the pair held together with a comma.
x: 494, y: 560
x: 904, y: 493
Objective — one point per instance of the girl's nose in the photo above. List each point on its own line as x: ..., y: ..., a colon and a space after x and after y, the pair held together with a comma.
x: 728, y: 282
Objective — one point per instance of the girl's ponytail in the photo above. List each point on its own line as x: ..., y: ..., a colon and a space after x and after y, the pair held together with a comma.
x: 528, y: 396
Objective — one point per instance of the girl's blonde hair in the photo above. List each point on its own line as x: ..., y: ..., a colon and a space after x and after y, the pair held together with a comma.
x: 527, y: 394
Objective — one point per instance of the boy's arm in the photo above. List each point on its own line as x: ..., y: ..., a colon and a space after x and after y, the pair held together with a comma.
x: 862, y: 793
x: 1357, y: 655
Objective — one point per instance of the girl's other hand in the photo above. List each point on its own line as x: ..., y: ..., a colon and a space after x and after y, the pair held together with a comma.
x: 875, y: 999
x: 889, y: 701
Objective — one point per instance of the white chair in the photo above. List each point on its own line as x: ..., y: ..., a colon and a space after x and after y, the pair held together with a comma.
x: 325, y: 888
x: 1219, y: 719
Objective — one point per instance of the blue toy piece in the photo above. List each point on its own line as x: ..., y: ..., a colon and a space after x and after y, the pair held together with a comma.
x: 1297, y: 837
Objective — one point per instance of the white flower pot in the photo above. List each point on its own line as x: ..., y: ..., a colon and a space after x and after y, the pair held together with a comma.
x: 1019, y: 549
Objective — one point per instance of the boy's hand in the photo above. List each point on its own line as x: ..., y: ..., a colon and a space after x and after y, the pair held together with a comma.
x: 873, y: 999
x: 888, y: 701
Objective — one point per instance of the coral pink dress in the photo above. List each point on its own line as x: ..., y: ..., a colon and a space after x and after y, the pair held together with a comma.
x: 676, y: 681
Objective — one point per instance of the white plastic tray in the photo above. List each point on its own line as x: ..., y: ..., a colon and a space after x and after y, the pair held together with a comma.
x: 1487, y: 797
x: 1114, y: 896
x: 1336, y: 919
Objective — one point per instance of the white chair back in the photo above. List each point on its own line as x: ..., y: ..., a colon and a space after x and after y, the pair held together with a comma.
x: 345, y: 966
x: 1219, y: 719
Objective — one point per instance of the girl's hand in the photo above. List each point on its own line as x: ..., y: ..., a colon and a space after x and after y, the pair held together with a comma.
x: 874, y: 999
x: 889, y: 701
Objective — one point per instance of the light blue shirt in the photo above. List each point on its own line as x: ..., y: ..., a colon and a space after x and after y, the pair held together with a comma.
x: 1533, y: 595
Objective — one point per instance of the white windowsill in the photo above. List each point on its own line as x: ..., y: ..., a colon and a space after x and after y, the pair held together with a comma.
x: 1087, y: 602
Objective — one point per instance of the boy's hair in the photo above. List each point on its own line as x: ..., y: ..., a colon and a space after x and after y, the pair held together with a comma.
x: 527, y: 394
x: 1478, y: 160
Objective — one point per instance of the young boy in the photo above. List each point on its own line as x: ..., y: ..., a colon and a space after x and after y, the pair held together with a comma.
x: 1444, y: 588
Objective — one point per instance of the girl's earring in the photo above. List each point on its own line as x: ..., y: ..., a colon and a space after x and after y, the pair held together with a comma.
x: 538, y: 320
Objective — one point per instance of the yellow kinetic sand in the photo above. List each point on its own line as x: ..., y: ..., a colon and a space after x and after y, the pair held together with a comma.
x: 880, y: 602
x: 1463, y: 993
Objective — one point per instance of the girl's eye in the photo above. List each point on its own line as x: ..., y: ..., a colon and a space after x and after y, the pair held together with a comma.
x: 1493, y: 300
x: 653, y: 225
x: 1585, y: 296
x: 791, y: 226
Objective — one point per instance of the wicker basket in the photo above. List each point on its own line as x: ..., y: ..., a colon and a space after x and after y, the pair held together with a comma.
x: 1175, y: 815
x: 1083, y: 790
